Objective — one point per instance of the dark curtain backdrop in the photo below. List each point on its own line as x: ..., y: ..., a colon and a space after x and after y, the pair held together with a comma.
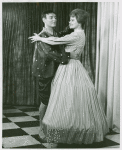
x: 21, y: 20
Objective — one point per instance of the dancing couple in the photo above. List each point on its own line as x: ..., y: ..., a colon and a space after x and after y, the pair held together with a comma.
x: 70, y: 111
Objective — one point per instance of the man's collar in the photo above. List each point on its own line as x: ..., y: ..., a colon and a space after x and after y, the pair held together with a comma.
x: 45, y: 30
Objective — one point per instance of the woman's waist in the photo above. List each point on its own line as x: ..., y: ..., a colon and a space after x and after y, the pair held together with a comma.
x: 75, y: 52
x: 75, y: 55
x: 72, y: 63
x: 76, y: 59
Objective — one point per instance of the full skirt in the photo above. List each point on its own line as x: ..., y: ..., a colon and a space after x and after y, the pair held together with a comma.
x: 74, y: 113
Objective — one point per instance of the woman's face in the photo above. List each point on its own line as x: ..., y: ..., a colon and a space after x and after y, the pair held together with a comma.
x: 73, y: 24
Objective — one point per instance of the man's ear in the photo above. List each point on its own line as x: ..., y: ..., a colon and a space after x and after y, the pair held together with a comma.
x: 43, y: 20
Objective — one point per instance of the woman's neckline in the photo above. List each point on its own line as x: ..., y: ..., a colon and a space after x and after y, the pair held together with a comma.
x: 79, y: 31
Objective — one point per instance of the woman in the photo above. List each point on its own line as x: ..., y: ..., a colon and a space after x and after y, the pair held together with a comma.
x: 74, y: 114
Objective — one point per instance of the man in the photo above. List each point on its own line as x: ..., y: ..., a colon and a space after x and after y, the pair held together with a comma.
x: 46, y: 60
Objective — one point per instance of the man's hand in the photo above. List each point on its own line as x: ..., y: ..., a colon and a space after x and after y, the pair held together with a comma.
x: 74, y: 55
x: 66, y: 31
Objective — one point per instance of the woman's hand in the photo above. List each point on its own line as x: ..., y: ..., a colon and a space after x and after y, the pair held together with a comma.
x: 35, y: 38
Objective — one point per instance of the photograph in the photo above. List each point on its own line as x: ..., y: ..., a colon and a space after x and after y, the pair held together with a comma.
x: 60, y: 66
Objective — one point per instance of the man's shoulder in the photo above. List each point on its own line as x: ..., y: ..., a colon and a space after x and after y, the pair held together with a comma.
x: 42, y: 33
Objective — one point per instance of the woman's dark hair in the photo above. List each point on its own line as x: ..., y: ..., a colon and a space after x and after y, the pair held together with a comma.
x: 44, y: 13
x: 81, y: 15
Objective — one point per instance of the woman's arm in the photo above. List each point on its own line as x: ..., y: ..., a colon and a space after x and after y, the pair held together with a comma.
x: 54, y: 40
x: 50, y: 40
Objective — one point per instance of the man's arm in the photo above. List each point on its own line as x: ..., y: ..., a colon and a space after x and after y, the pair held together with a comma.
x: 35, y: 49
x: 66, y: 31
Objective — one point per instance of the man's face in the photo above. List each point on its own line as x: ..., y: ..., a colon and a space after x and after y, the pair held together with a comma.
x: 50, y: 20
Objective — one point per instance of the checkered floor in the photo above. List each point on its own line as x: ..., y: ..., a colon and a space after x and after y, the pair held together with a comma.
x: 21, y: 126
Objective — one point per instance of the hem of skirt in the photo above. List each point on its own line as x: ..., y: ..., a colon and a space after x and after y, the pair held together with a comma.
x: 76, y: 137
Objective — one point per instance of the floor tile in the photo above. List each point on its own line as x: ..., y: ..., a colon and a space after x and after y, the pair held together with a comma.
x: 48, y: 145
x: 32, y: 146
x: 11, y: 125
x: 22, y: 119
x: 105, y: 143
x: 36, y: 117
x: 11, y: 111
x: 6, y: 120
x: 19, y: 141
x: 33, y: 113
x: 116, y: 146
x: 31, y: 130
x: 13, y: 132
x: 115, y: 138
x: 3, y: 116
x: 18, y: 114
x: 27, y: 124
x: 38, y: 138
x: 112, y: 132
x: 28, y: 109
x: 117, y: 130
x: 23, y: 107
x: 74, y: 146
x: 8, y: 107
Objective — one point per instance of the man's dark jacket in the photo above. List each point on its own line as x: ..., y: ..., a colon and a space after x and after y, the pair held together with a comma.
x: 47, y: 57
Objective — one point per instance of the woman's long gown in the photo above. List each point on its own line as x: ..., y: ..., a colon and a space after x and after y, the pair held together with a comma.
x: 74, y: 114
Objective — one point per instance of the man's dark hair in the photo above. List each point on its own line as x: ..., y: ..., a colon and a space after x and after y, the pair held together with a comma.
x: 44, y: 13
